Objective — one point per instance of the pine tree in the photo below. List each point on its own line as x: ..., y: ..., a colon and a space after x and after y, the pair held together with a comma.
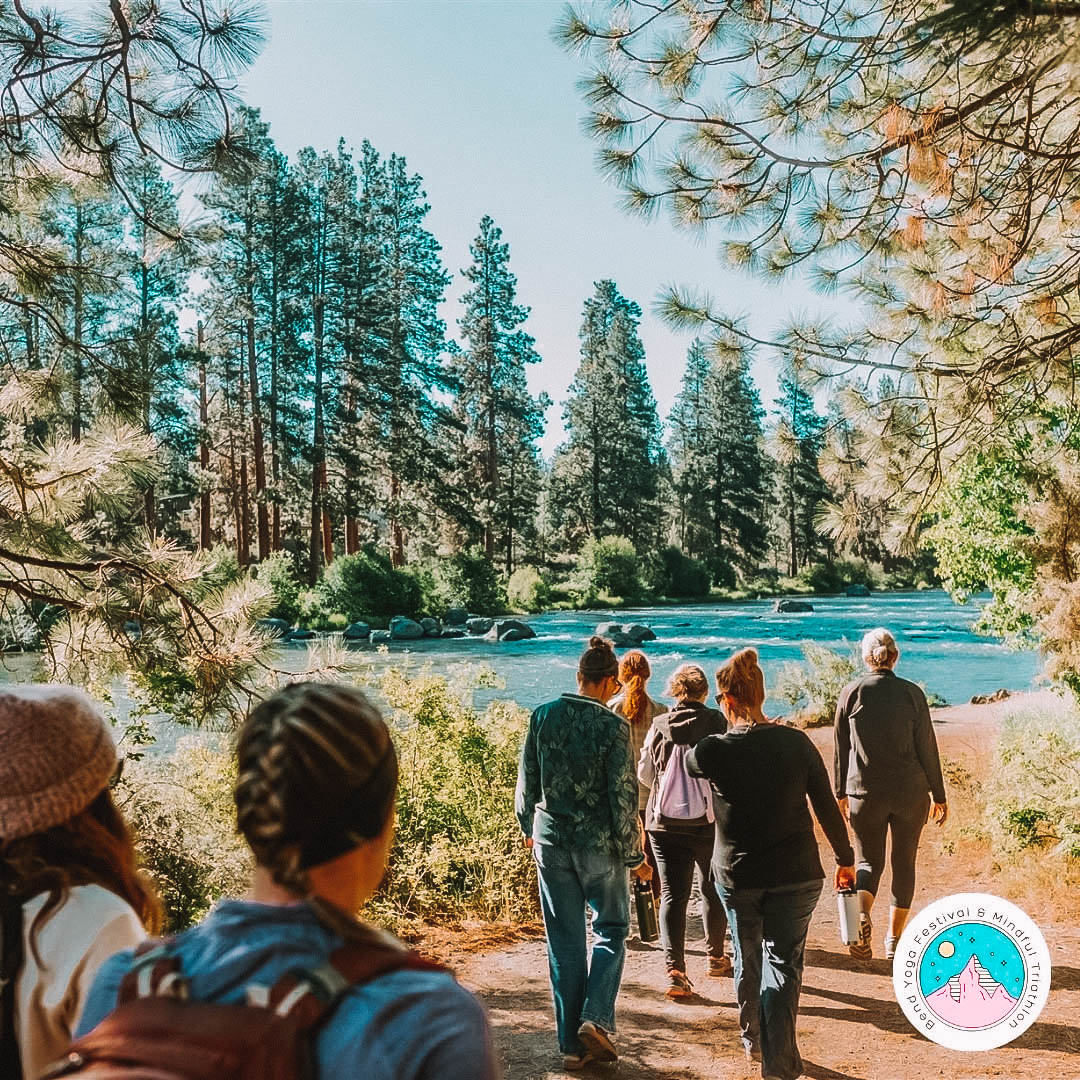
x: 605, y: 477
x: 406, y: 416
x: 797, y: 441
x: 719, y: 469
x: 501, y: 420
x: 152, y: 376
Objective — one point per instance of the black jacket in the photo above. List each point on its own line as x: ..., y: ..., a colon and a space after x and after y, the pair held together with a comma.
x: 885, y: 743
x: 686, y: 724
x: 761, y: 778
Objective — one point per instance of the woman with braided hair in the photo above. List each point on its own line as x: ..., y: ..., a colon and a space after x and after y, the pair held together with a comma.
x: 316, y: 784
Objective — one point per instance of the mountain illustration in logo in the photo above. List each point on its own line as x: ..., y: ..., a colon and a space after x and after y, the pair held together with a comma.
x: 972, y: 999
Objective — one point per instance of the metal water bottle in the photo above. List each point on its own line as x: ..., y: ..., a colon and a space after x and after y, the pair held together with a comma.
x: 847, y: 902
x: 645, y: 903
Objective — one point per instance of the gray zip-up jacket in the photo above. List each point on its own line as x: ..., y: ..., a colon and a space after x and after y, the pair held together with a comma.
x: 885, y: 742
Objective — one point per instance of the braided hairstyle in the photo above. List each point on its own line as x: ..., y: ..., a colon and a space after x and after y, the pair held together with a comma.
x: 316, y: 777
x: 634, y: 672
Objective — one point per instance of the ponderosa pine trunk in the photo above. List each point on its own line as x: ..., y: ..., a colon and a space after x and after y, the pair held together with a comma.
x: 204, y: 439
x: 262, y: 515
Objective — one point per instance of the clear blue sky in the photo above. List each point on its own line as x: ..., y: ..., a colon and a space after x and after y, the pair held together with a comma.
x: 483, y: 104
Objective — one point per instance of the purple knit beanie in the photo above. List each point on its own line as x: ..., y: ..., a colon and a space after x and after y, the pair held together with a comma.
x: 56, y: 756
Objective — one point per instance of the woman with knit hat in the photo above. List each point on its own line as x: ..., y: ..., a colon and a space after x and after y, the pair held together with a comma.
x: 70, y: 892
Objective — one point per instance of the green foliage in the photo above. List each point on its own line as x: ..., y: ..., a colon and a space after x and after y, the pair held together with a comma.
x: 468, y: 580
x: 981, y: 540
x: 605, y: 478
x: 181, y: 808
x: 1033, y: 794
x: 458, y: 850
x: 527, y: 590
x: 719, y: 471
x: 498, y: 465
x: 218, y: 570
x: 681, y: 577
x: 608, y: 566
x: 367, y: 584
x: 278, y: 573
x: 813, y: 686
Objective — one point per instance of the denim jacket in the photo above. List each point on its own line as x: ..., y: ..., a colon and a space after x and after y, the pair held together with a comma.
x: 577, y: 787
x: 406, y: 1025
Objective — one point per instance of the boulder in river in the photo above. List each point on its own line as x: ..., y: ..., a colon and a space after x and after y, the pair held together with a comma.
x: 453, y: 632
x: 300, y: 635
x: 510, y: 630
x: 991, y: 699
x: 381, y: 637
x: 357, y: 631
x: 402, y: 629
x: 478, y: 624
x: 456, y: 616
x: 609, y: 630
x: 857, y: 590
x: 273, y: 627
x: 792, y: 607
x: 431, y: 627
x: 640, y: 633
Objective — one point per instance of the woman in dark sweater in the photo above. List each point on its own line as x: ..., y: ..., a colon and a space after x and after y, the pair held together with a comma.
x: 766, y: 862
x: 681, y: 842
x: 886, y: 770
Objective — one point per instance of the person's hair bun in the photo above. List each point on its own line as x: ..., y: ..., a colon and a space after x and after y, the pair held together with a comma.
x: 598, y: 661
x: 741, y: 678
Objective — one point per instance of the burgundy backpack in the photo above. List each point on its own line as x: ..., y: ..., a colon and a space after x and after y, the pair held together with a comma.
x: 156, y: 1033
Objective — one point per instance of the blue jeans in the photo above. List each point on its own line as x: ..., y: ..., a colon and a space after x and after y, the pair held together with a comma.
x: 768, y: 930
x: 583, y: 989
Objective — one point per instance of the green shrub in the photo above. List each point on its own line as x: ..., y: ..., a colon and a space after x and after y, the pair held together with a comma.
x: 1033, y: 794
x: 278, y: 573
x: 822, y: 578
x: 608, y: 565
x: 813, y: 685
x: 367, y: 584
x: 457, y: 851
x: 527, y: 590
x: 468, y: 580
x: 181, y: 809
x: 680, y: 576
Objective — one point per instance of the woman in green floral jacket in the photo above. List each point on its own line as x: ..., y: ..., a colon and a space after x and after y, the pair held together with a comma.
x: 577, y: 798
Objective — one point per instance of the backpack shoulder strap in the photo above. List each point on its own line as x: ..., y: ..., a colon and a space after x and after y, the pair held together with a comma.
x: 310, y: 995
x: 11, y: 961
x: 156, y: 972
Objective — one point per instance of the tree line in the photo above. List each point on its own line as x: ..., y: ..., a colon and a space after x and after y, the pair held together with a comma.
x: 322, y: 406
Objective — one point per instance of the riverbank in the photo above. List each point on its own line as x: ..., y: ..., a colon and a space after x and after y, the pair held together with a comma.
x: 850, y: 1026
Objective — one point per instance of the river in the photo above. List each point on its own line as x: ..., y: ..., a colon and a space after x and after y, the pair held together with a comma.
x: 938, y: 647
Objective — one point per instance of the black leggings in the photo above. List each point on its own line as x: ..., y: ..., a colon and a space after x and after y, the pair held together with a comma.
x: 677, y: 854
x: 903, y: 820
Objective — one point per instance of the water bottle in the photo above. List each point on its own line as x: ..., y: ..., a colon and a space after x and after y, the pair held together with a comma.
x: 648, y: 928
x: 847, y: 901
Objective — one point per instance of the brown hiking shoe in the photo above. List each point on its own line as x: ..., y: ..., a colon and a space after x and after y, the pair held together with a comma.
x: 720, y: 967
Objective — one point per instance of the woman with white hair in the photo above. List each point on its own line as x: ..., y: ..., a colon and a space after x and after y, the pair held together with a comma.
x: 886, y: 773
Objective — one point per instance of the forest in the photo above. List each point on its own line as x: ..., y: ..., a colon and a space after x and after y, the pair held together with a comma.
x: 254, y: 400
x: 289, y: 356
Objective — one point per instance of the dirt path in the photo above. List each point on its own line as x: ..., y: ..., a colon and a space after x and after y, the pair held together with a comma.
x: 850, y: 1027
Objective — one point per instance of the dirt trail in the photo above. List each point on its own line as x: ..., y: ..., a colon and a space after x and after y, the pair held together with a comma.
x: 850, y: 1027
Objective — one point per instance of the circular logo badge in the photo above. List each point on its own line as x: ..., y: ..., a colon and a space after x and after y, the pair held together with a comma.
x: 972, y: 971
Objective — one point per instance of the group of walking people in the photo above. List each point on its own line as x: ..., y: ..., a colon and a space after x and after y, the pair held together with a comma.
x: 611, y: 781
x: 287, y: 981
